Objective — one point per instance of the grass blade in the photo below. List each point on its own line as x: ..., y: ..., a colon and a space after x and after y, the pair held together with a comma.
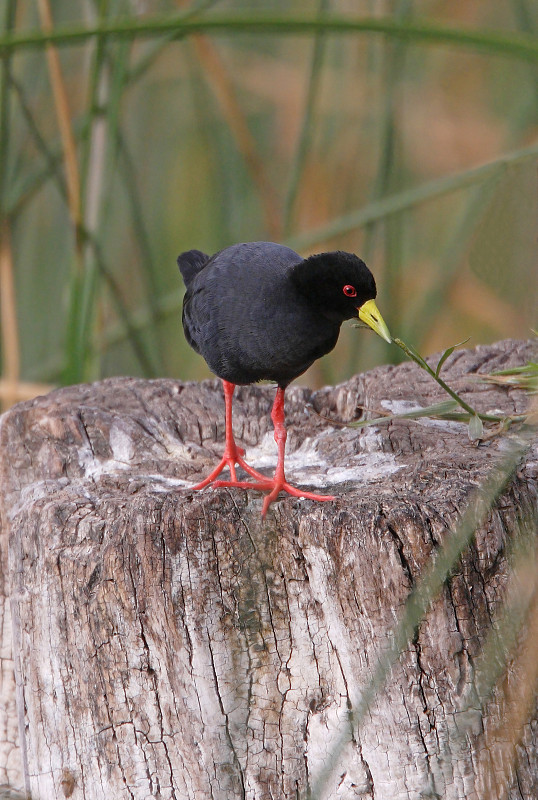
x: 431, y: 582
x: 435, y: 410
x: 63, y: 116
x: 499, y: 43
x: 305, y: 134
x: 448, y: 352
x: 410, y: 198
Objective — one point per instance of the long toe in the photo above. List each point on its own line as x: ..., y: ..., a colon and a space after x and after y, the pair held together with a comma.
x: 271, y: 497
x: 262, y: 482
x: 259, y: 486
x: 211, y: 478
x: 284, y: 486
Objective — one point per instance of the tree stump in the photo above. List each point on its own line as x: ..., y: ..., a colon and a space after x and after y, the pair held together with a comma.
x: 171, y: 644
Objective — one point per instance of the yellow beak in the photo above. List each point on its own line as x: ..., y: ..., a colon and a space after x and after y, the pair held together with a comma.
x: 369, y: 314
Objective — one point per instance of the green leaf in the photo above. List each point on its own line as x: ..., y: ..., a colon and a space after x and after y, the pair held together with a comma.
x: 435, y: 410
x: 476, y: 429
x: 529, y: 368
x: 448, y: 352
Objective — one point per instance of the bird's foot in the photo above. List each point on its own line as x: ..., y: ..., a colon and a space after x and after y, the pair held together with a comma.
x: 274, y: 486
x: 230, y: 460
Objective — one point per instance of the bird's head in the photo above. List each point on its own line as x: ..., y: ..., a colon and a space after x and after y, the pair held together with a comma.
x: 340, y: 286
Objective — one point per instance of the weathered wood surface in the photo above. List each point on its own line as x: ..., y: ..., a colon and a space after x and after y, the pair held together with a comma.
x: 171, y: 644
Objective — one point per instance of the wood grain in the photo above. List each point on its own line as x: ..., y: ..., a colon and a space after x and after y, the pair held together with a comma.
x: 171, y: 644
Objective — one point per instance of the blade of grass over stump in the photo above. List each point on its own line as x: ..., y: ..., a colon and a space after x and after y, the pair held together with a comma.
x: 419, y: 600
x: 435, y: 410
x: 418, y: 359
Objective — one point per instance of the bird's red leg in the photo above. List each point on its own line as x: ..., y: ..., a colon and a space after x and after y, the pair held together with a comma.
x: 232, y: 453
x: 279, y: 482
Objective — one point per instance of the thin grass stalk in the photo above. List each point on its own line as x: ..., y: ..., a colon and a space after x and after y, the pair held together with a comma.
x: 75, y: 353
x: 81, y: 362
x: 5, y: 102
x: 127, y: 324
x: 14, y: 202
x: 86, y: 296
x: 128, y: 173
x: 223, y: 89
x: 498, y: 43
x: 340, y: 226
x: 117, y: 147
x: 149, y: 58
x: 499, y: 660
x: 524, y: 21
x: 127, y: 328
x: 116, y: 63
x: 410, y: 198
x: 63, y: 117
x: 422, y: 363
x: 165, y: 306
x: 421, y: 313
x: 305, y: 135
x: 528, y: 113
x: 384, y: 180
x: 431, y: 582
x: 518, y: 702
x: 19, y: 196
x: 103, y: 147
x: 131, y: 329
x: 11, y: 388
x: 506, y: 672
x: 387, y: 181
x: 504, y: 639
x: 96, y: 101
x: 8, y: 311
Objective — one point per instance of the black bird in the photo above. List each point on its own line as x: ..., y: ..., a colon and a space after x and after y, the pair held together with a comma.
x: 258, y: 311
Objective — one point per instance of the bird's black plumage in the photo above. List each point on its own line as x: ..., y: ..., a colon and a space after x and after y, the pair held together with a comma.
x: 258, y: 311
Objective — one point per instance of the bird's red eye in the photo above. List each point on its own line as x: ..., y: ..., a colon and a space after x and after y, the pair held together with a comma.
x: 349, y: 290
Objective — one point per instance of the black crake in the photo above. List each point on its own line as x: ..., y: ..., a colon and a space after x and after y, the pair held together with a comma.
x: 258, y: 311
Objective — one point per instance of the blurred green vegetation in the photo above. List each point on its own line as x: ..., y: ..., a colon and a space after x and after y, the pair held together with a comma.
x: 405, y: 131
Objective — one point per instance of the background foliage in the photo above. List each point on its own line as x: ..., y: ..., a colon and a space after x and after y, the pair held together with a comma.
x: 404, y: 130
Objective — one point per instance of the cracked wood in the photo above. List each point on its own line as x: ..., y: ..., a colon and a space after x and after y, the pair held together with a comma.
x: 172, y: 645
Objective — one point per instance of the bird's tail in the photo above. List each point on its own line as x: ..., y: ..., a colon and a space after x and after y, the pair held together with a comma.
x: 190, y: 263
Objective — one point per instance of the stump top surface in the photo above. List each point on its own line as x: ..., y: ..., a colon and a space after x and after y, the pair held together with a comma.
x: 123, y: 437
